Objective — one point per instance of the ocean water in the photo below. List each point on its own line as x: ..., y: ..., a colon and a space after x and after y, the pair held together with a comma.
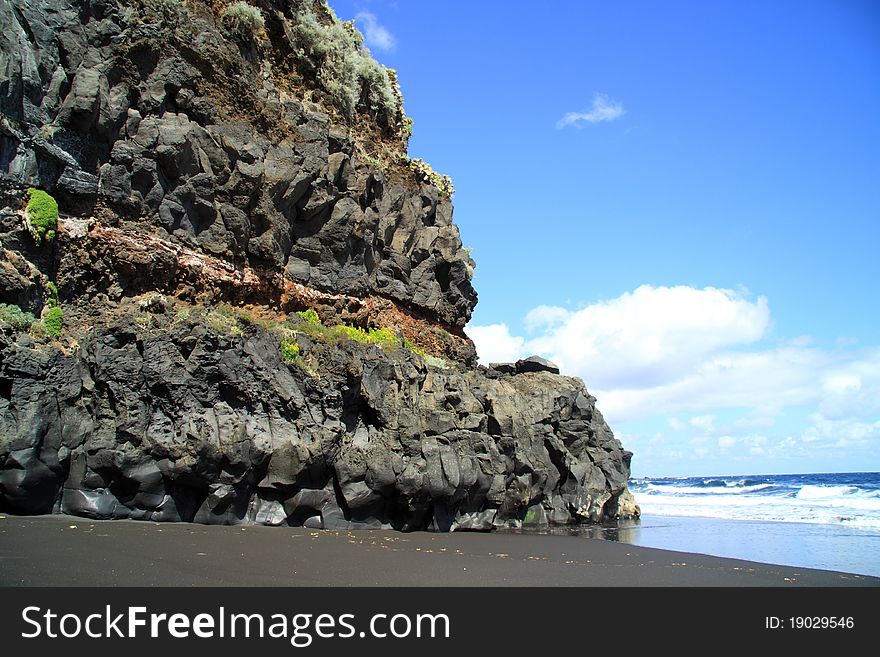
x: 825, y: 521
x: 844, y: 499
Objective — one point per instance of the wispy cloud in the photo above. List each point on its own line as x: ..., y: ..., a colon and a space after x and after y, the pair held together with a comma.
x: 604, y: 109
x: 376, y: 35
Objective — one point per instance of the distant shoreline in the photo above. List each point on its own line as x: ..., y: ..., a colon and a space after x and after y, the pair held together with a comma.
x: 70, y: 551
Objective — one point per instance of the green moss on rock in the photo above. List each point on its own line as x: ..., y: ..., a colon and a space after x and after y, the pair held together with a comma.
x: 42, y: 214
x: 53, y: 320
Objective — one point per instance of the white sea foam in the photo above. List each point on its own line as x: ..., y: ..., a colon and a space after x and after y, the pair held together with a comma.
x: 824, y: 492
x: 714, y: 490
x: 836, y: 505
x: 862, y: 523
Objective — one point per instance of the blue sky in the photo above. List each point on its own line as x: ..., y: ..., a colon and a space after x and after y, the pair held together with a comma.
x: 679, y: 202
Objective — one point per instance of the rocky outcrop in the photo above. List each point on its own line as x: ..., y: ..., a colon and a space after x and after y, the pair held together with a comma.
x: 523, y: 365
x: 117, y: 110
x: 158, y: 415
x: 210, y: 192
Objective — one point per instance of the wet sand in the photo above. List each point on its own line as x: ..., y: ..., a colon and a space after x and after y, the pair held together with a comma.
x: 69, y: 551
x: 807, y: 545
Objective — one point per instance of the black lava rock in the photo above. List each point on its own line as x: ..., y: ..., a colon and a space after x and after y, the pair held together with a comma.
x: 535, y: 364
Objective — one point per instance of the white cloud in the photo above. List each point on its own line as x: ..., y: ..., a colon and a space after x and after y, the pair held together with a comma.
x: 652, y: 335
x: 703, y: 422
x: 784, y: 376
x: 853, y: 389
x: 545, y: 317
x: 675, y: 423
x: 376, y: 35
x: 824, y: 439
x: 846, y: 433
x: 839, y: 383
x: 495, y: 344
x: 699, y: 362
x: 604, y: 109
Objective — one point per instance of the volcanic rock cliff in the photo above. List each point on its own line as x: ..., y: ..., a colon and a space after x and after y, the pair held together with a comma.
x: 262, y: 298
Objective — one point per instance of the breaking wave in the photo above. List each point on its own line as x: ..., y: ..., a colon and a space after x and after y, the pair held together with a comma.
x: 850, y: 499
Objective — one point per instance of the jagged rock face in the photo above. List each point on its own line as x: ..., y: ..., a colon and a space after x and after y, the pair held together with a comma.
x: 183, y: 130
x: 161, y: 417
x: 183, y: 168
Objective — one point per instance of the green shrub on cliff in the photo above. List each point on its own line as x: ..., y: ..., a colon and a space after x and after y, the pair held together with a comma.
x: 407, y: 126
x: 53, y: 320
x: 15, y: 317
x: 434, y: 361
x: 425, y: 173
x: 223, y: 318
x: 51, y: 291
x: 244, y: 19
x: 289, y: 350
x: 310, y: 316
x: 42, y: 214
x: 332, y: 53
x: 384, y: 337
x: 409, y: 346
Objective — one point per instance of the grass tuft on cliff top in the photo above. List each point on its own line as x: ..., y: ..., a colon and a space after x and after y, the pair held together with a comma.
x: 230, y: 320
x: 332, y: 53
x: 244, y: 20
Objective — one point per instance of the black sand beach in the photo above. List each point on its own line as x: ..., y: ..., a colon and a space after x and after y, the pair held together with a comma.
x: 69, y: 551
